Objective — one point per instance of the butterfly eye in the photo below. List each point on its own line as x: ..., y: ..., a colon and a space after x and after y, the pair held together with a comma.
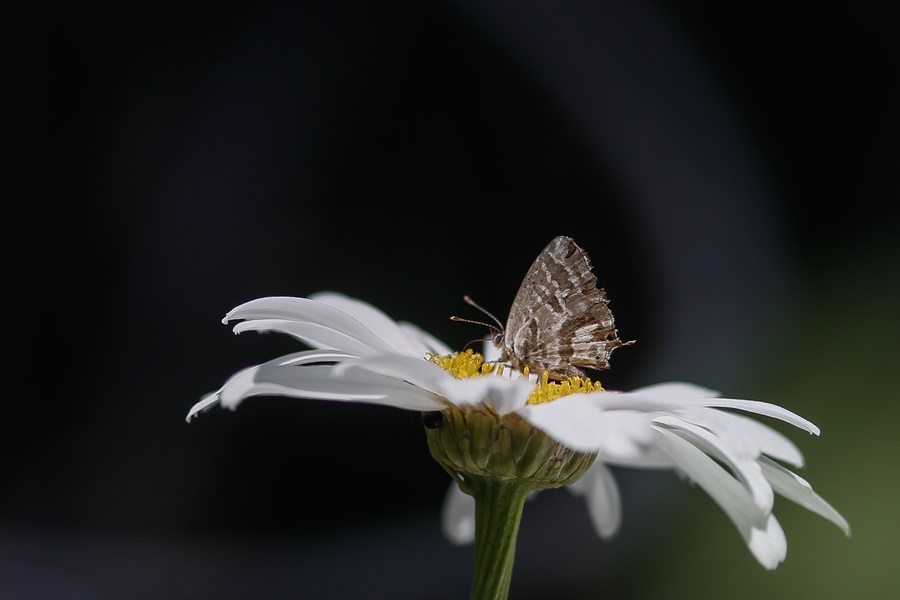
x: 432, y: 420
x: 497, y: 340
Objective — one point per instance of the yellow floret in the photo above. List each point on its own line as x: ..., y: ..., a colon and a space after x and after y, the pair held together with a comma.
x: 472, y: 364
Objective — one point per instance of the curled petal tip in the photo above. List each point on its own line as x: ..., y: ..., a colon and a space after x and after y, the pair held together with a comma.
x: 205, y: 403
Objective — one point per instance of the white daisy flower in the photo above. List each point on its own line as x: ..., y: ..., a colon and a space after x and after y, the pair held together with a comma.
x: 493, y: 428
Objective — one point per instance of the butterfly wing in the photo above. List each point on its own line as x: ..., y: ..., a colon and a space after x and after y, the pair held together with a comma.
x: 559, y: 320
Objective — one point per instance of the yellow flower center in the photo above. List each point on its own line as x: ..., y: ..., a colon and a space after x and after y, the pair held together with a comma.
x: 472, y: 364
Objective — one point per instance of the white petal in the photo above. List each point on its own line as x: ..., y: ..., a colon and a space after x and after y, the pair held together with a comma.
x: 504, y: 395
x: 768, y: 543
x: 771, y: 442
x: 748, y: 436
x: 490, y: 352
x: 417, y: 371
x: 580, y: 425
x: 650, y: 457
x: 325, y: 383
x: 601, y: 493
x: 317, y: 336
x: 759, y: 528
x: 761, y: 408
x: 428, y: 341
x: 675, y: 391
x: 747, y: 470
x: 243, y: 385
x: 307, y: 357
x: 721, y: 424
x: 458, y: 516
x: 671, y: 395
x: 793, y: 487
x: 639, y: 401
x: 308, y: 311
x: 320, y: 383
x: 374, y: 319
x: 296, y: 358
x: 207, y: 402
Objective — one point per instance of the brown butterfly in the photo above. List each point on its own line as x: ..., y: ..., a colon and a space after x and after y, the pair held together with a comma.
x: 559, y: 320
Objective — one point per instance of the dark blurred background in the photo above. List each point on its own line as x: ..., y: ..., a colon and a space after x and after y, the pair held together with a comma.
x: 732, y: 170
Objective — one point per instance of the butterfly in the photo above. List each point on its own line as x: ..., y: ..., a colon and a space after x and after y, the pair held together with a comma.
x: 559, y: 321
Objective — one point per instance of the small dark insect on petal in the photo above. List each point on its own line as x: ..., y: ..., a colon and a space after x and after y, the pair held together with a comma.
x: 432, y: 419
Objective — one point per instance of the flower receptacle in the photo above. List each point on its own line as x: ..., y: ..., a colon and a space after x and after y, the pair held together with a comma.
x: 473, y: 442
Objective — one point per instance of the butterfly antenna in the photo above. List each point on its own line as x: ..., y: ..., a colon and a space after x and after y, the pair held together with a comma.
x: 490, y: 326
x: 473, y: 303
x: 498, y: 327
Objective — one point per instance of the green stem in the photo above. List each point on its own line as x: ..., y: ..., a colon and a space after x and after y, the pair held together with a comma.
x: 498, y: 510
